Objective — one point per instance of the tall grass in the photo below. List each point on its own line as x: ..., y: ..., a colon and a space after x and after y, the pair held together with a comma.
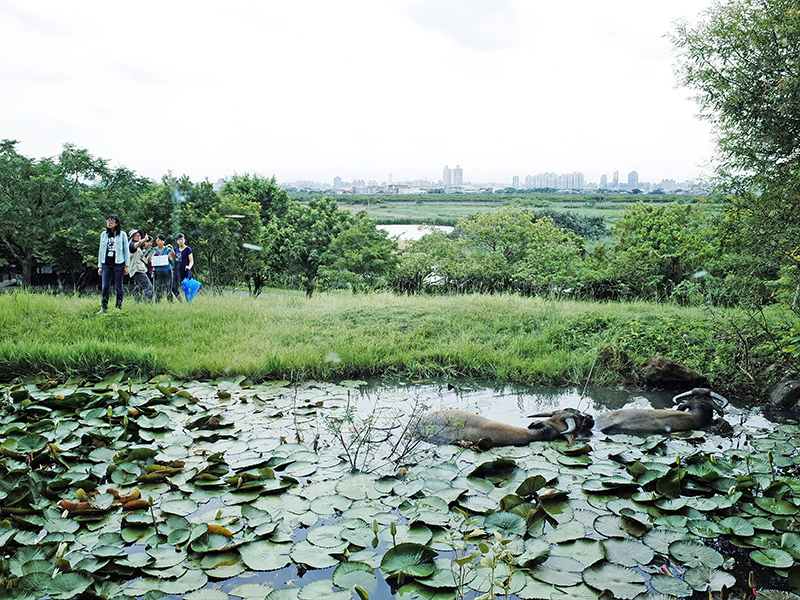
x: 507, y: 337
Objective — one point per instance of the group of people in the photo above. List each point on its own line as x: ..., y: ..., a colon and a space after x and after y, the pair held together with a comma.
x: 133, y: 254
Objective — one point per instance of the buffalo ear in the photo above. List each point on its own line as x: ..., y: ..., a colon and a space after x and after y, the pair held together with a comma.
x: 537, y: 425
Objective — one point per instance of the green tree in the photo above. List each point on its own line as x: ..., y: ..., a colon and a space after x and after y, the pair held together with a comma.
x: 658, y: 246
x: 361, y: 255
x: 303, y: 236
x: 272, y: 200
x: 51, y: 209
x: 743, y: 59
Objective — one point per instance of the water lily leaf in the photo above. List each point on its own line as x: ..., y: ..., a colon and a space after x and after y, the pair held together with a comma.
x: 265, y: 555
x: 791, y: 543
x: 737, y: 526
x: 693, y: 554
x: 628, y: 553
x: 251, y: 591
x: 191, y: 580
x: 351, y: 573
x: 559, y: 570
x: 506, y: 524
x: 315, y: 556
x: 620, y: 581
x: 772, y: 557
x: 670, y: 585
x: 358, y: 487
x: 206, y: 594
x: 775, y: 506
x: 322, y: 589
x: 573, y: 530
x: 777, y: 595
x: 704, y: 528
x: 68, y: 585
x: 410, y: 559
x: 326, y: 536
x: 706, y: 579
x: 586, y: 552
x: 180, y: 508
x: 660, y: 539
x: 31, y: 443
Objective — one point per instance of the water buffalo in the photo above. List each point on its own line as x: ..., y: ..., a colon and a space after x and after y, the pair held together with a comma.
x: 696, y: 411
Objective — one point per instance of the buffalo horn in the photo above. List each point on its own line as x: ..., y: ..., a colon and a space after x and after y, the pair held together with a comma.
x: 540, y: 415
x: 722, y: 399
x: 571, y: 426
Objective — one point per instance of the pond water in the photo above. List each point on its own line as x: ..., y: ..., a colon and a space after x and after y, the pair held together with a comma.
x: 252, y: 494
x: 412, y: 232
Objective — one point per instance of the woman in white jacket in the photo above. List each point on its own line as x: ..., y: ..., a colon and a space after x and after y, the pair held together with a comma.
x: 113, y: 260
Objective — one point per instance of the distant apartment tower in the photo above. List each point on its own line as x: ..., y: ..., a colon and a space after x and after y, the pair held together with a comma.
x: 603, y: 182
x: 447, y: 176
x: 633, y: 179
x: 515, y: 182
x: 458, y: 176
x: 337, y: 182
x: 615, y: 181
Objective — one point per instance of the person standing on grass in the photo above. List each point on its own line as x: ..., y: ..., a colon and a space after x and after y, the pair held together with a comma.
x: 141, y: 250
x: 184, y: 261
x: 162, y: 269
x: 113, y: 260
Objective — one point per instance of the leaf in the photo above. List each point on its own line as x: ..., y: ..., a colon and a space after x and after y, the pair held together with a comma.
x: 620, y: 581
x: 705, y: 579
x: 265, y: 555
x: 773, y: 557
x: 693, y: 554
x: 409, y: 558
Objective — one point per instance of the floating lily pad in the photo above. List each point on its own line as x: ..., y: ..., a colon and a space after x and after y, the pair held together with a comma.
x: 620, y: 581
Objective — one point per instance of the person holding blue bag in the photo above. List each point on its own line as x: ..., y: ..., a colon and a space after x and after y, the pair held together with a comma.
x: 184, y: 261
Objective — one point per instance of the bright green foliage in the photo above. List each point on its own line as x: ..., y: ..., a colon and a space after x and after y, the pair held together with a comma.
x: 507, y: 249
x: 272, y: 200
x: 658, y: 247
x: 361, y: 255
x: 217, y: 234
x: 52, y: 210
x: 303, y: 236
x: 743, y: 58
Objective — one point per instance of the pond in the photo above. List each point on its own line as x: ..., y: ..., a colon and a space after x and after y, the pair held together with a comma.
x: 230, y: 489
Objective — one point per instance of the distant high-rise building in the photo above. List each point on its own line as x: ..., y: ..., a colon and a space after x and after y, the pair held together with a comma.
x: 337, y: 182
x: 390, y: 179
x: 447, y: 176
x: 615, y: 182
x: 515, y: 182
x: 603, y: 182
x: 633, y: 179
x: 458, y: 176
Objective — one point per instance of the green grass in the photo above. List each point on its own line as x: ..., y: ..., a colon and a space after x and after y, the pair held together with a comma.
x: 281, y: 336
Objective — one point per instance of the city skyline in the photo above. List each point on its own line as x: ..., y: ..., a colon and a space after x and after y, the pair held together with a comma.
x: 454, y: 178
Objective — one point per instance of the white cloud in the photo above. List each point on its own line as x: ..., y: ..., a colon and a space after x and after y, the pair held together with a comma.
x: 310, y: 89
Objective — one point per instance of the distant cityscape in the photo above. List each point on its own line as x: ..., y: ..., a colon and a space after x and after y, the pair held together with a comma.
x: 453, y: 182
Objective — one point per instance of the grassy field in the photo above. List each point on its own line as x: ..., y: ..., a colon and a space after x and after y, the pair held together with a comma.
x: 499, y: 337
x: 447, y: 209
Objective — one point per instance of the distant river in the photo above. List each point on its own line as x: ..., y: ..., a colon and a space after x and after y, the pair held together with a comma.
x: 412, y: 232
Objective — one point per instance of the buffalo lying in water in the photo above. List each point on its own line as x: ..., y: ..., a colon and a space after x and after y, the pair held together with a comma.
x: 696, y: 411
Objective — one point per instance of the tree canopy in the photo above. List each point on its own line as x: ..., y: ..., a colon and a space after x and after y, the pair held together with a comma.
x: 743, y: 59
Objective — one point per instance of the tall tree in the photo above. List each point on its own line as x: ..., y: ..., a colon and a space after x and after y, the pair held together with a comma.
x: 273, y: 200
x: 303, y: 236
x: 361, y: 255
x: 743, y: 59
x: 51, y: 208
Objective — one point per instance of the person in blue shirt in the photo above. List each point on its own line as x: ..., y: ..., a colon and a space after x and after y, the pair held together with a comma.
x: 113, y: 260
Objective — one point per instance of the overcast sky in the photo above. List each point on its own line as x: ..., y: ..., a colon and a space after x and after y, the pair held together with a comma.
x: 311, y: 89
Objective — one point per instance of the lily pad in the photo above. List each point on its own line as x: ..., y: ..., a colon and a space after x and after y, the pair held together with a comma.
x: 620, y: 581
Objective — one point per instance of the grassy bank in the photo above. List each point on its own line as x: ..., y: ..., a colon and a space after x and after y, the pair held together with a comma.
x: 527, y: 340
